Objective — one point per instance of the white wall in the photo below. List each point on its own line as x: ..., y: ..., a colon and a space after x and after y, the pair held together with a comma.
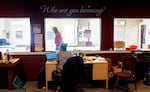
x: 128, y: 31
x: 131, y: 33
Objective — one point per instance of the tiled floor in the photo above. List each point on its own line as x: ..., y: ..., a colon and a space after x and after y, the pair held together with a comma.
x: 31, y: 86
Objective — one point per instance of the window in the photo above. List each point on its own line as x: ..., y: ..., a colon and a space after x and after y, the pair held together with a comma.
x: 78, y: 33
x: 15, y: 34
x: 132, y: 31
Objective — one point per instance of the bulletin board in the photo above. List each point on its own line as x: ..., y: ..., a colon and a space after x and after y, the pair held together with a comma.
x: 38, y: 38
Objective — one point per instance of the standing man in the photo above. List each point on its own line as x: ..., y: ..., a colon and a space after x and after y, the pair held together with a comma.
x: 58, y: 38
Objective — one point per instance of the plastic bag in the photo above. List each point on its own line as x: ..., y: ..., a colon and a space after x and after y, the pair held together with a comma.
x: 18, y: 83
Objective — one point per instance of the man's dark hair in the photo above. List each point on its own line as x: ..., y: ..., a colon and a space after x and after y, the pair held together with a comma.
x: 55, y: 29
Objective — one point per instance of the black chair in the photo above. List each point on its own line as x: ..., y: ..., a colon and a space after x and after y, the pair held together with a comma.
x: 73, y: 74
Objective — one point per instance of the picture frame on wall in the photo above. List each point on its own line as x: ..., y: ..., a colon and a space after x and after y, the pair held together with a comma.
x: 36, y: 28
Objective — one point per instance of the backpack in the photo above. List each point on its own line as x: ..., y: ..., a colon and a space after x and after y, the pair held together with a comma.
x: 41, y: 78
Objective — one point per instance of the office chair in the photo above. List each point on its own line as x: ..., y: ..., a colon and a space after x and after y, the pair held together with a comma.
x: 73, y: 74
x: 128, y: 74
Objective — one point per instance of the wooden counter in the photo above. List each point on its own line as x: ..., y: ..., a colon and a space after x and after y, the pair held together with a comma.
x: 11, y: 70
x: 86, y: 52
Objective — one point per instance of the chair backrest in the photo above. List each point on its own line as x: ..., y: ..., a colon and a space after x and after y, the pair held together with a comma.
x: 129, y: 62
x: 73, y: 70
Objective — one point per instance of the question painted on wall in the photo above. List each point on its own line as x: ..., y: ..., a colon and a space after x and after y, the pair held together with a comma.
x: 70, y: 12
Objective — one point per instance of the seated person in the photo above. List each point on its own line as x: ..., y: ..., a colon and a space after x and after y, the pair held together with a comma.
x: 62, y: 57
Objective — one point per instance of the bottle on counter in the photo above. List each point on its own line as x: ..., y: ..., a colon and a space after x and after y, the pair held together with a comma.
x: 5, y: 58
x: 8, y: 55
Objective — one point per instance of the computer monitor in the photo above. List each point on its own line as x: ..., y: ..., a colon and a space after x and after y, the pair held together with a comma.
x: 51, y: 55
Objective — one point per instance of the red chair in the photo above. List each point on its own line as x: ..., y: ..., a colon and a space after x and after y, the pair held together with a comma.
x: 128, y: 74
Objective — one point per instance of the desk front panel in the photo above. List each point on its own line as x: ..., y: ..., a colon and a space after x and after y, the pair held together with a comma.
x: 50, y: 66
x: 49, y: 69
x: 100, y: 71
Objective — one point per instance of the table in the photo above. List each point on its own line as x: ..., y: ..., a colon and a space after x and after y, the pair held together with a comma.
x: 11, y: 70
x: 99, y: 71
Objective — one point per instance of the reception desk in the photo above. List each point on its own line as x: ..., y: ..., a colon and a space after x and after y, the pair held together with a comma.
x: 99, y: 70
